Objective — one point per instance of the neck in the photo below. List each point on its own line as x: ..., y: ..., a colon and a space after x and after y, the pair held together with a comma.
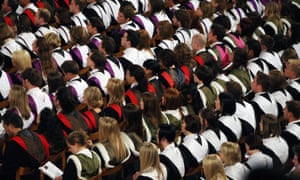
x: 253, y: 151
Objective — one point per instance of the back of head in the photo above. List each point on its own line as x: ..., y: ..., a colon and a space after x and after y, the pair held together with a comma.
x: 218, y: 30
x: 149, y: 157
x: 234, y: 89
x: 152, y: 65
x: 205, y: 74
x: 227, y: 102
x: 11, y: 118
x: 133, y: 117
x: 231, y: 153
x: 165, y: 29
x: 79, y: 35
x: 172, y: 98
x: 277, y: 80
x: 33, y: 76
x: 166, y: 131
x: 270, y: 126
x: 263, y: 80
x: 133, y: 37
x: 78, y: 137
x: 70, y: 67
x: 108, y: 44
x: 212, y: 166
x: 167, y: 58
x: 5, y: 33
x: 223, y: 21
x: 184, y: 17
x: 254, y: 141
x: 97, y: 23
x: 254, y: 45
x: 192, y: 123
x: 67, y: 99
x: 99, y: 59
x: 94, y: 97
x: 267, y: 41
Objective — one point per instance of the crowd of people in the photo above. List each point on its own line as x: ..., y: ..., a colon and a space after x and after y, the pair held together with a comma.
x: 167, y: 85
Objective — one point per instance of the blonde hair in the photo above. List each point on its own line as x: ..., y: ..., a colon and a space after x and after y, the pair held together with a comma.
x: 94, y: 97
x: 213, y: 167
x: 21, y: 60
x: 109, y: 133
x: 53, y: 40
x: 116, y: 91
x: 231, y: 152
x: 149, y: 158
x: 19, y: 99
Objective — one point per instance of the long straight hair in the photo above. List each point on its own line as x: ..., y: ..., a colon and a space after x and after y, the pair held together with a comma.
x: 109, y: 132
x: 18, y: 99
x: 149, y: 158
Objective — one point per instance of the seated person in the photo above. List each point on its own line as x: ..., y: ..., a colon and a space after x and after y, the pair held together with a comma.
x: 24, y: 149
x: 82, y: 163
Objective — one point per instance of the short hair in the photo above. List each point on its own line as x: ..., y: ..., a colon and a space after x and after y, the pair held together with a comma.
x: 294, y: 108
x: 184, y: 17
x: 263, y: 80
x: 53, y: 40
x: 33, y: 76
x: 70, y: 67
x: 211, y: 116
x: 240, y: 58
x: 167, y: 131
x: 167, y: 58
x: 127, y: 10
x: 232, y: 153
x: 64, y: 16
x: 205, y: 74
x: 235, y: 89
x: 228, y: 104
x: 218, y: 31
x: 200, y: 39
x: 277, y: 80
x: 173, y: 98
x: 271, y: 126
x: 99, y: 59
x: 108, y: 44
x: 133, y: 37
x: 184, y: 55
x: 268, y: 41
x: 55, y: 80
x: 97, y: 23
x: 79, y: 35
x: 156, y: 5
x: 254, y: 141
x: 152, y: 65
x: 45, y: 14
x: 80, y: 3
x: 254, y: 45
x: 165, y: 29
x: 223, y: 21
x: 192, y: 123
x: 77, y: 137
x: 11, y: 118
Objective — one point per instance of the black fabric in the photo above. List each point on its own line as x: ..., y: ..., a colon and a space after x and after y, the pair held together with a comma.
x: 172, y: 170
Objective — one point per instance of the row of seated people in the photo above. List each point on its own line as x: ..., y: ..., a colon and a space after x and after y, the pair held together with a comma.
x: 113, y: 147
